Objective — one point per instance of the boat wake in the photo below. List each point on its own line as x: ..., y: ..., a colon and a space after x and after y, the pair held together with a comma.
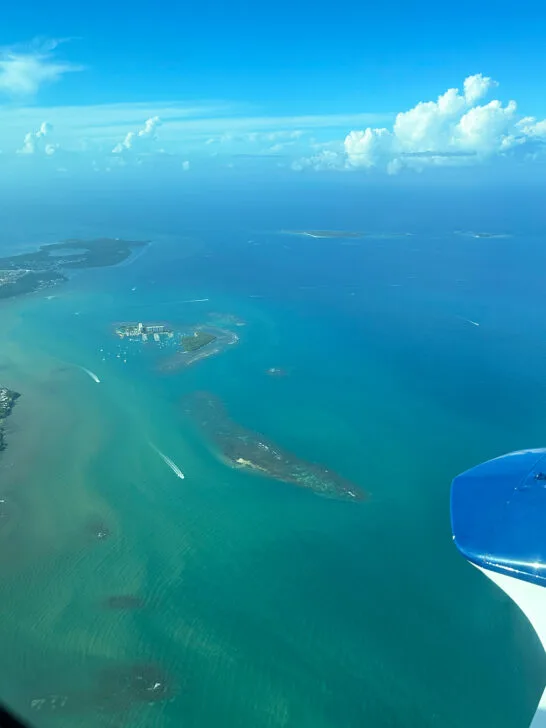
x: 91, y: 374
x: 173, y: 466
x: 468, y: 321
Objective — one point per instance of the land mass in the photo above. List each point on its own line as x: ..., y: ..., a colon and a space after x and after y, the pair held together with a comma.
x: 248, y: 450
x: 30, y: 272
x: 7, y: 400
x: 197, y: 340
x: 143, y: 331
x: 205, y: 341
x: 16, y: 282
x: 327, y: 233
x: 471, y: 234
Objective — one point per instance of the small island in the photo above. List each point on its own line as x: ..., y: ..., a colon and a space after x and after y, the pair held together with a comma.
x: 202, y: 342
x: 485, y: 235
x: 31, y: 272
x: 489, y: 235
x: 183, y: 347
x: 7, y: 400
x: 197, y: 340
x: 247, y: 450
x: 327, y: 233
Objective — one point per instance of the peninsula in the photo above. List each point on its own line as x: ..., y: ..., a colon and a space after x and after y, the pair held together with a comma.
x: 248, y: 450
x: 7, y: 400
x: 16, y: 282
x: 31, y: 272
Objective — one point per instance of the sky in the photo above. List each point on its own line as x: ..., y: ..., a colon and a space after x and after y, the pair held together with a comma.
x: 307, y: 88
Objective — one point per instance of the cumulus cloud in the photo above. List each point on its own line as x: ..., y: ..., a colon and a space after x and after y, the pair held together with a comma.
x: 476, y: 87
x: 36, y: 142
x: 139, y: 141
x: 532, y: 128
x: 454, y: 130
x: 186, y: 166
x: 24, y: 69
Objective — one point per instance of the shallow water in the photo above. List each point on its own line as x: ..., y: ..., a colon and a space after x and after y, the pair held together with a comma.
x: 263, y: 604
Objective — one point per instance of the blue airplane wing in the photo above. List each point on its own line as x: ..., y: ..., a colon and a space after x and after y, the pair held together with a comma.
x: 498, y: 519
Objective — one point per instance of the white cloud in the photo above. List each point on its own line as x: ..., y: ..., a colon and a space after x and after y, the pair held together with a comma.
x: 486, y: 130
x: 325, y: 160
x: 35, y: 141
x: 454, y: 130
x: 367, y: 148
x: 530, y: 127
x: 476, y: 87
x: 23, y: 70
x: 224, y: 130
x: 457, y: 128
x: 141, y: 140
x: 276, y: 136
x: 97, y: 129
x: 267, y: 143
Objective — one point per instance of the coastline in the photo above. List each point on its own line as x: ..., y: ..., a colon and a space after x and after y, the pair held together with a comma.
x: 8, y: 398
x: 41, y: 269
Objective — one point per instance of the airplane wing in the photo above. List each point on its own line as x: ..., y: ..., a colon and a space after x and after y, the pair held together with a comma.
x: 498, y: 519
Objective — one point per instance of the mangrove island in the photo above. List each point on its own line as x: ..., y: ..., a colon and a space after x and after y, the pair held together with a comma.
x: 31, y: 272
x: 248, y: 450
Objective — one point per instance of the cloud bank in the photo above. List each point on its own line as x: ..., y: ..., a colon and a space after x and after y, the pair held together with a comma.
x: 140, y: 141
x: 460, y: 128
x: 36, y: 142
x: 24, y: 69
x: 456, y: 129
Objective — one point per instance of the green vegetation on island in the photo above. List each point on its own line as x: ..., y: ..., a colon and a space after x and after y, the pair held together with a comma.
x: 97, y: 253
x: 15, y: 283
x: 245, y: 449
x: 7, y: 400
x: 183, y: 348
x: 30, y: 272
x: 198, y: 340
x: 203, y: 343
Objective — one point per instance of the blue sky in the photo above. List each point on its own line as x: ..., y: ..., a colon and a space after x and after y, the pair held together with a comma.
x: 294, y: 84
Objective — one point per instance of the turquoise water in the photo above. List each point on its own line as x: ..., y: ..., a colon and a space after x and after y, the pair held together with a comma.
x: 264, y: 604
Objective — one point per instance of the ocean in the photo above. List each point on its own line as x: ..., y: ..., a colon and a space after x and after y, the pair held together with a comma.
x: 261, y: 603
